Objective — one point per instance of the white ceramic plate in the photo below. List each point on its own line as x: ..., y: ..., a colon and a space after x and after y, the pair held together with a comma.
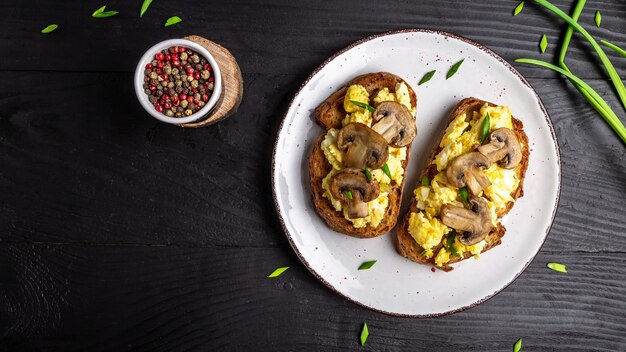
x: 395, y: 285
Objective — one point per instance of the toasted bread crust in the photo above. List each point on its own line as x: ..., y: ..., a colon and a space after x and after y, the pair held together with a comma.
x: 406, y: 245
x: 329, y: 114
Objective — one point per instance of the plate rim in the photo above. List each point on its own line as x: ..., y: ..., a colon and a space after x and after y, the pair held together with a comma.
x: 445, y: 34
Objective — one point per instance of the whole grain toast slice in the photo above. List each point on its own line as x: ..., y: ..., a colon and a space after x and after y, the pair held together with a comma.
x: 329, y: 114
x: 407, y: 246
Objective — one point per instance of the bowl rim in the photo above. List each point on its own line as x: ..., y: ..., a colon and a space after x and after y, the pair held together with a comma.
x: 143, y: 97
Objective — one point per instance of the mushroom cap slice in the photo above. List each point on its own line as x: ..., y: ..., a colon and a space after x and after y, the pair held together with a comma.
x: 395, y: 123
x: 475, y: 222
x: 362, y: 147
x: 465, y: 170
x: 503, y: 148
x: 361, y: 191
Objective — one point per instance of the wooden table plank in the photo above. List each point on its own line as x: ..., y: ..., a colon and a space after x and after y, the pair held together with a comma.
x: 284, y: 37
x: 86, y: 171
x: 106, y: 298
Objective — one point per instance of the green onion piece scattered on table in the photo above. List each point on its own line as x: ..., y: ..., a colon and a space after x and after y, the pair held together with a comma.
x: 518, y: 346
x: 597, y: 18
x: 100, y: 13
x: 364, y: 334
x: 348, y: 194
x: 427, y: 77
x: 172, y: 21
x: 50, y: 28
x: 543, y: 43
x: 557, y: 267
x: 363, y: 105
x: 454, y: 68
x: 598, y: 103
x: 144, y: 7
x: 368, y: 174
x: 614, y: 47
x: 518, y: 8
x: 366, y: 265
x: 425, y: 181
x: 386, y: 170
x: 464, y: 194
x: 485, y: 128
x: 278, y: 271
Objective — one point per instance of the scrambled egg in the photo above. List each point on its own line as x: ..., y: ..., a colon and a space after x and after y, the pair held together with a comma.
x: 503, y: 183
x: 359, y: 93
x: 330, y: 149
x: 460, y: 137
x: 475, y: 249
x: 427, y: 230
x: 377, y: 207
x: 431, y: 198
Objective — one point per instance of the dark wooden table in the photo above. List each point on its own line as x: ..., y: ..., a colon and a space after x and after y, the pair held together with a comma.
x: 118, y: 232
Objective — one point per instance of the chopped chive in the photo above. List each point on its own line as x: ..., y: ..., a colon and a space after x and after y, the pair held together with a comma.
x: 485, y: 128
x: 278, y: 272
x: 518, y: 8
x: 50, y: 28
x: 366, y: 265
x: 449, y: 241
x: 144, y: 7
x: 425, y: 181
x: 463, y: 194
x: 363, y: 105
x: 348, y: 194
x: 614, y: 47
x: 557, y: 267
x: 543, y: 43
x: 598, y: 103
x: 368, y: 174
x: 427, y: 77
x: 598, y: 18
x: 172, y: 21
x: 364, y: 334
x: 100, y: 13
x: 518, y: 346
x: 423, y: 253
x: 454, y: 68
x: 610, y: 69
x: 386, y: 170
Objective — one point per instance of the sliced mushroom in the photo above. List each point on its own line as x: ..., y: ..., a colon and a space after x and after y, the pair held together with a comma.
x: 395, y: 123
x: 476, y: 223
x: 362, y: 147
x: 353, y: 189
x: 503, y: 147
x: 465, y: 170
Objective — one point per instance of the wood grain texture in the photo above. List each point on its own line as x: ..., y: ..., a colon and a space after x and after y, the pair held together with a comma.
x: 278, y: 36
x: 77, y: 298
x: 111, y: 174
x: 120, y: 233
x: 232, y: 83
